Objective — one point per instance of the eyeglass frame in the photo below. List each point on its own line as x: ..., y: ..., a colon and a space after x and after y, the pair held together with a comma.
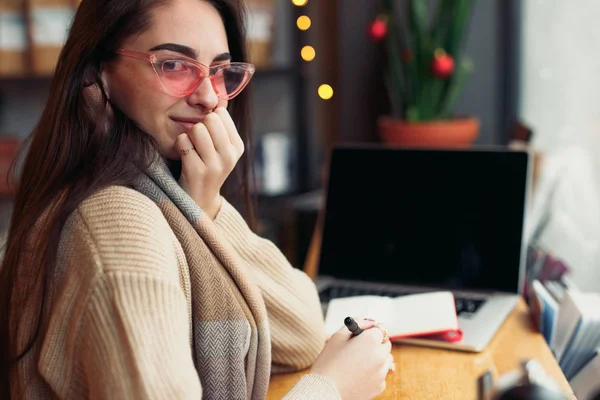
x: 152, y: 58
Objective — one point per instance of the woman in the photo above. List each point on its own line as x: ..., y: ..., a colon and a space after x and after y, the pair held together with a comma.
x: 126, y: 273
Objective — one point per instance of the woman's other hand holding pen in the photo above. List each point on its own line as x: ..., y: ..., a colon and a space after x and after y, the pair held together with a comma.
x: 358, y: 365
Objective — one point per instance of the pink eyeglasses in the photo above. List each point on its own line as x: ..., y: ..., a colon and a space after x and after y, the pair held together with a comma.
x: 181, y: 76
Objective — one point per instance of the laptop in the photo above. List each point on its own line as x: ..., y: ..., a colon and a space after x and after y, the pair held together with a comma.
x: 403, y: 221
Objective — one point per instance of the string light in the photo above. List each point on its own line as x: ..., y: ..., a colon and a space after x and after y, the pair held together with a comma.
x: 308, y: 53
x: 303, y: 22
x: 325, y: 91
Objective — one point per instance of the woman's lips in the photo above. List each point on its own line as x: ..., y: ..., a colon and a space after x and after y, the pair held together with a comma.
x: 186, y: 124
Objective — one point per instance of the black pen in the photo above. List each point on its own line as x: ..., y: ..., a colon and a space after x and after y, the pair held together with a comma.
x: 352, y: 326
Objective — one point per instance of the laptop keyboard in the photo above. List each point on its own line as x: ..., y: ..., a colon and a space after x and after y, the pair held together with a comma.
x: 463, y: 305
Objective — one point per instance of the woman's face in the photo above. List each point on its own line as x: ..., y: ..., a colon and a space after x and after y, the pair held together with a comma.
x: 191, y: 28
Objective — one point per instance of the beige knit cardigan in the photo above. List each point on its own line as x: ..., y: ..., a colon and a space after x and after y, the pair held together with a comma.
x: 149, y: 303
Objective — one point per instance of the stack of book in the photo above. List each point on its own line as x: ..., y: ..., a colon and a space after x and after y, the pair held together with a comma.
x: 586, y: 383
x: 569, y: 320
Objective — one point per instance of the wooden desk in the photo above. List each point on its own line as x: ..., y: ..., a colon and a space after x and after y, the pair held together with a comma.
x: 434, y: 374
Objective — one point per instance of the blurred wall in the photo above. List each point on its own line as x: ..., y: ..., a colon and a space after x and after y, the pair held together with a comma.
x: 559, y: 102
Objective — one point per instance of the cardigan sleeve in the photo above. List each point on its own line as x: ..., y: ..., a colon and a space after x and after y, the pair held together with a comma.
x: 291, y: 298
x: 135, y: 341
x: 120, y: 327
x: 313, y: 387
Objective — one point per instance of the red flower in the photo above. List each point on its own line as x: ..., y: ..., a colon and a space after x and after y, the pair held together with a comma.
x: 442, y: 65
x: 378, y: 29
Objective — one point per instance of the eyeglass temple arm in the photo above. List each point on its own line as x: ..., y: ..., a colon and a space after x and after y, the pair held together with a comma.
x: 134, y: 54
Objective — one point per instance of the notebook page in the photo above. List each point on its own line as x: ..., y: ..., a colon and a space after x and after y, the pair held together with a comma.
x: 421, y: 314
x: 403, y: 316
x: 377, y: 308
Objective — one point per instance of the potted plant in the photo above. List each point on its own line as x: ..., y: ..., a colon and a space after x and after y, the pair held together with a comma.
x: 425, y: 72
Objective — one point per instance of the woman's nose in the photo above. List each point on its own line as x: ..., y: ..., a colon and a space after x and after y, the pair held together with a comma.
x: 205, y: 95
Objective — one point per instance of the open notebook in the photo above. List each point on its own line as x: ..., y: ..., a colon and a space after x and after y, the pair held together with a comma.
x: 425, y: 314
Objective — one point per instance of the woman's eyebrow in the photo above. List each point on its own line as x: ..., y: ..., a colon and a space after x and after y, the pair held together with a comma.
x: 222, y: 57
x: 188, y: 51
x: 177, y: 48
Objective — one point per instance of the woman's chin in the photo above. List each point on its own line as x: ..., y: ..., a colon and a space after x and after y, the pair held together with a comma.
x: 168, y: 151
x: 172, y: 155
x: 167, y: 148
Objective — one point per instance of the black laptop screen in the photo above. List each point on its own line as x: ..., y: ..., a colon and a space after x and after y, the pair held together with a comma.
x: 428, y: 217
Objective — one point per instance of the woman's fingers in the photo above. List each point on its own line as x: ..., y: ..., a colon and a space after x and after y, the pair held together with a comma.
x: 388, y: 345
x: 345, y: 334
x: 218, y: 133
x: 190, y: 160
x: 208, y: 157
x: 378, y: 334
x: 203, y: 142
x: 391, y: 364
x: 232, y: 132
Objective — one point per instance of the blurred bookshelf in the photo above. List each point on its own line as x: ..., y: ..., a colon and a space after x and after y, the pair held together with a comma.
x: 284, y: 159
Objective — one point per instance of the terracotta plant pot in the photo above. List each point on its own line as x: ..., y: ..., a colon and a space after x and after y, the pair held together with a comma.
x: 456, y: 133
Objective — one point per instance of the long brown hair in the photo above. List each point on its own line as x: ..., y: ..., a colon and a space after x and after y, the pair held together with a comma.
x: 80, y: 145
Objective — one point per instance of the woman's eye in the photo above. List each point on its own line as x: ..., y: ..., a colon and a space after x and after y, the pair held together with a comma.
x: 220, y: 66
x: 173, y: 66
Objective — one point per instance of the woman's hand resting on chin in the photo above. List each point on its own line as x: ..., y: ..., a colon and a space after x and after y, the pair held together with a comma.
x: 209, y: 152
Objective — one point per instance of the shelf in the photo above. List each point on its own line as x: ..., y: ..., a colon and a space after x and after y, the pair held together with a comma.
x: 27, y: 77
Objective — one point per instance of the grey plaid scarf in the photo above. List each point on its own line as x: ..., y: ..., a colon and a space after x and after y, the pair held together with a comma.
x: 230, y: 335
